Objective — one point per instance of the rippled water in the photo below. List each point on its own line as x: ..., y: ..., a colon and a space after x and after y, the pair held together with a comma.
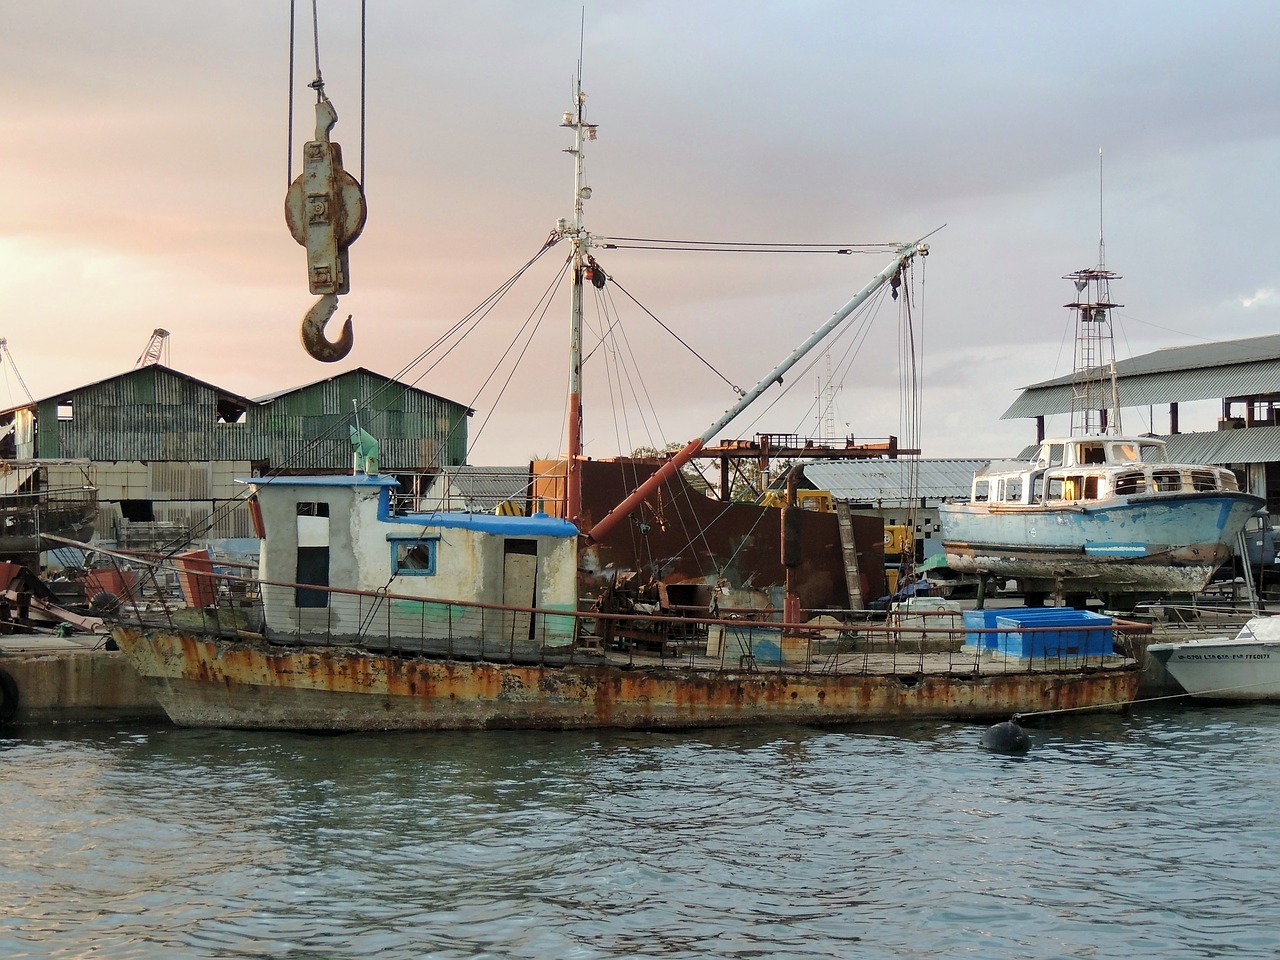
x: 1154, y: 835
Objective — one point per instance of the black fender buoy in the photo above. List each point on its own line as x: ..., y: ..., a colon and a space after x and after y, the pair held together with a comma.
x: 1006, y: 737
x: 8, y: 697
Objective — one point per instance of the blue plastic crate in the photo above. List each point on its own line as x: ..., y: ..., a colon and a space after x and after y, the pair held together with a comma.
x: 985, y: 619
x: 1068, y: 640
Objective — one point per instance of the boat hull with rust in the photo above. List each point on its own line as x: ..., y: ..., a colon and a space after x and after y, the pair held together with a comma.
x: 205, y: 681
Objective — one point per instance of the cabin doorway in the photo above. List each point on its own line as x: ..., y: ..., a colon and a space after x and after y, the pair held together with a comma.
x: 313, y: 555
x: 519, y: 587
x: 313, y: 568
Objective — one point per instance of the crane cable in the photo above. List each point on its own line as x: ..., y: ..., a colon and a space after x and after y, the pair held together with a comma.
x: 318, y: 83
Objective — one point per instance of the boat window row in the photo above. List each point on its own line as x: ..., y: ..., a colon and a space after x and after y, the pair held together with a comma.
x: 1070, y: 486
x: 1099, y: 451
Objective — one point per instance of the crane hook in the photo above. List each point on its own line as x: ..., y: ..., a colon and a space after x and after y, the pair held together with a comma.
x: 313, y: 338
x: 325, y: 210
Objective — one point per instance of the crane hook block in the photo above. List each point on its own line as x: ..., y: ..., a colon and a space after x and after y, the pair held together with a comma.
x: 313, y: 338
x: 325, y: 210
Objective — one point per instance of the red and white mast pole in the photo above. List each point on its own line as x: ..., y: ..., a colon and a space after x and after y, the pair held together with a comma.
x: 577, y: 234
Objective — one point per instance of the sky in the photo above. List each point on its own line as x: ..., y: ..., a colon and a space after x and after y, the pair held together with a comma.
x: 146, y: 152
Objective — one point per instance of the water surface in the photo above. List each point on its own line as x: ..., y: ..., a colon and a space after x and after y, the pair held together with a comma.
x: 1153, y: 835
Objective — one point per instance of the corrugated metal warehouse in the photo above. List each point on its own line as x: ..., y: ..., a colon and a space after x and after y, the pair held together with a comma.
x: 166, y: 447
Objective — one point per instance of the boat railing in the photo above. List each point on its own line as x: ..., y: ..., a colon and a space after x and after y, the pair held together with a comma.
x: 191, y: 593
x: 47, y: 497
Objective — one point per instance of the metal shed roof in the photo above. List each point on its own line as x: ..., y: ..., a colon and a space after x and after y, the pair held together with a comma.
x: 399, y: 384
x: 482, y: 489
x: 886, y: 481
x: 149, y: 370
x: 1203, y: 371
x: 1246, y: 445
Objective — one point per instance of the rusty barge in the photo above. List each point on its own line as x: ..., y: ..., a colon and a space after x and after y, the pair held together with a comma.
x: 247, y: 683
x: 356, y: 622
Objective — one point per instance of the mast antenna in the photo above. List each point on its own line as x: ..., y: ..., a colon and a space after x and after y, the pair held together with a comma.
x: 582, y: 40
x: 1101, y: 249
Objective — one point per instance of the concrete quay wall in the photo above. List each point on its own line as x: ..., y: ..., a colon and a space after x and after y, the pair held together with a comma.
x: 82, y: 686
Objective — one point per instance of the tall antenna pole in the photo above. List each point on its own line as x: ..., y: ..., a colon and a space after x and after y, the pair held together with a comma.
x: 1102, y: 259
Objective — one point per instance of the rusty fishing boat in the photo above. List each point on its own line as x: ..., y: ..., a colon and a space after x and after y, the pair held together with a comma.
x: 366, y: 613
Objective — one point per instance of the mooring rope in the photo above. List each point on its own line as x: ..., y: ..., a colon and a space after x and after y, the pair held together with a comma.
x: 1144, y: 700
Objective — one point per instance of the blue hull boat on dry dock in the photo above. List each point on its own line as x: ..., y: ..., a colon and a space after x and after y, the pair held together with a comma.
x: 1109, y: 517
x: 1098, y: 513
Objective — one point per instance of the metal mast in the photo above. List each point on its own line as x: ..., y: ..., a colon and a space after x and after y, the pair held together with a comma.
x: 577, y: 234
x: 1095, y: 400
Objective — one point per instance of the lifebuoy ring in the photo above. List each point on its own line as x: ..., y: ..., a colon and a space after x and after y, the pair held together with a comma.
x: 8, y: 697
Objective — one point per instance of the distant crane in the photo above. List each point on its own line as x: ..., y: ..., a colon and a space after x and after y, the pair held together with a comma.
x: 157, y: 345
x: 6, y: 355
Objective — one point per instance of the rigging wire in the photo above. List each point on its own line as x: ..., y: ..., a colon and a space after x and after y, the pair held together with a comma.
x: 637, y: 385
x: 367, y: 406
x: 742, y: 246
x: 318, y: 82
x: 909, y: 394
x: 630, y: 379
x: 678, y: 338
x: 288, y: 146
x: 677, y: 507
x: 716, y: 248
x: 540, y: 314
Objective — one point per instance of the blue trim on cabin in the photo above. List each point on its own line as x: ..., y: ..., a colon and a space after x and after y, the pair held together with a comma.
x: 538, y: 525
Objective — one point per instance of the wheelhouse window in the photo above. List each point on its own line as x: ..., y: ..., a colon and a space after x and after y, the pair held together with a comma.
x: 1090, y: 453
x: 1052, y: 454
x: 1013, y: 490
x: 1125, y: 453
x: 1130, y: 483
x: 1166, y: 481
x: 981, y: 490
x: 1074, y: 487
x: 1153, y: 453
x: 1204, y: 480
x: 414, y: 558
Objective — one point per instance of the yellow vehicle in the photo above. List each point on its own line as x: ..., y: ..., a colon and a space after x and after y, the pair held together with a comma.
x: 897, y: 540
x: 820, y: 501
